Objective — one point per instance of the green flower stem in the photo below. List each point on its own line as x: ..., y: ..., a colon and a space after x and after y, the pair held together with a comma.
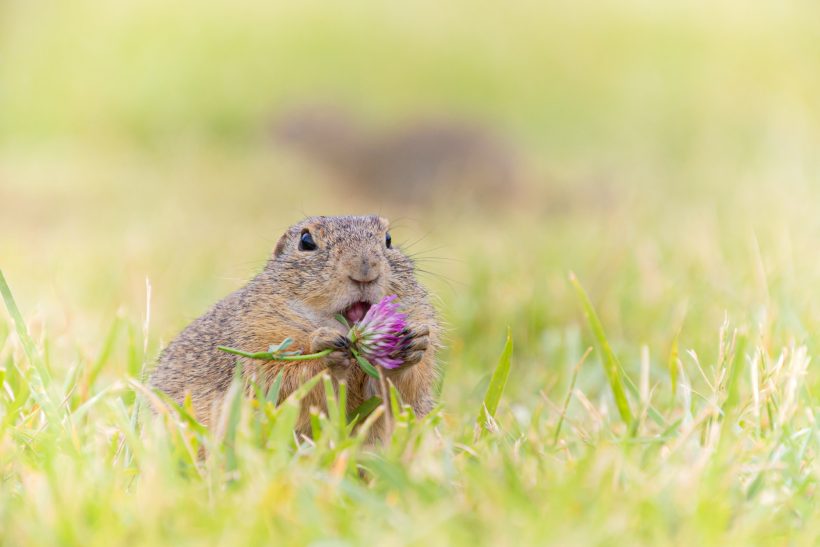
x: 364, y: 364
x: 268, y: 356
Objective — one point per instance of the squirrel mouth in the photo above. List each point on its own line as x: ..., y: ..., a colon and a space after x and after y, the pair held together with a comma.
x: 356, y: 311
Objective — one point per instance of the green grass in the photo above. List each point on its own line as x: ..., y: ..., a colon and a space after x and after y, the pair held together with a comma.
x: 733, y: 461
x: 664, y: 394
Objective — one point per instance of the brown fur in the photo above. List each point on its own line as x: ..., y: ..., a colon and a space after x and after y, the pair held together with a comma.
x: 297, y: 295
x: 418, y: 162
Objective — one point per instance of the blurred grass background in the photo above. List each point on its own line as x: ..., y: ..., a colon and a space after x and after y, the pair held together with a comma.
x: 135, y: 143
x: 669, y: 152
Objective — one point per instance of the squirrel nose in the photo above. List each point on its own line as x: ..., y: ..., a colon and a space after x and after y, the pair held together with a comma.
x: 367, y: 271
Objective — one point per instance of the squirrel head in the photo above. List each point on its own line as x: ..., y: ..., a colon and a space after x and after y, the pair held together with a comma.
x: 340, y: 265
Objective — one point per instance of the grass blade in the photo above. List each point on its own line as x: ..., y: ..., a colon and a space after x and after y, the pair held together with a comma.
x: 674, y: 364
x: 41, y: 377
x: 233, y: 408
x: 612, y: 367
x: 22, y: 332
x: 105, y: 354
x: 567, y: 399
x: 496, y: 388
x: 363, y: 410
x: 651, y: 411
x: 735, y: 368
x: 275, y: 388
x: 299, y: 393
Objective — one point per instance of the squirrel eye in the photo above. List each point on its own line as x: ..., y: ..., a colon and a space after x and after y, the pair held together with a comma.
x: 388, y: 240
x: 306, y: 242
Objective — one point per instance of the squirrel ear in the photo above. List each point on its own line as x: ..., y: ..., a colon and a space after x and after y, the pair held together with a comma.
x: 280, y: 245
x: 385, y: 223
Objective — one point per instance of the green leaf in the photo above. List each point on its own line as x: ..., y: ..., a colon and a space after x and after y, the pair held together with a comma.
x: 363, y: 410
x: 278, y: 348
x: 612, y: 367
x: 497, y: 384
x: 369, y: 369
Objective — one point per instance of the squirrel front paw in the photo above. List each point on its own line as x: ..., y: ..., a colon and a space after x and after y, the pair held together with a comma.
x: 339, y: 360
x: 413, y: 345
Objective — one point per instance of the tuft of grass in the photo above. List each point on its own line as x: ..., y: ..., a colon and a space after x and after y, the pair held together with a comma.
x: 486, y: 416
x: 732, y: 457
x: 612, y: 367
x: 43, y: 375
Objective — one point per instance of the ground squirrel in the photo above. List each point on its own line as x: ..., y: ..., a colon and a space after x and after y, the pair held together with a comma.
x: 321, y: 267
x: 427, y: 160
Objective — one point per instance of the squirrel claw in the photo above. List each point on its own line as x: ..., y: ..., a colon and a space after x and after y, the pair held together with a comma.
x: 413, y: 346
x: 413, y: 358
x: 338, y: 361
x: 325, y: 338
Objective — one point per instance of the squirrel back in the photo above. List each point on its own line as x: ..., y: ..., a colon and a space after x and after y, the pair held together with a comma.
x: 417, y: 162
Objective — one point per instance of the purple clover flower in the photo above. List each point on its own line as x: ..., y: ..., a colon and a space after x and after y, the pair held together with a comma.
x: 379, y: 334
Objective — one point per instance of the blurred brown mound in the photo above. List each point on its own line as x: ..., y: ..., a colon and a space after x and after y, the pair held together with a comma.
x: 413, y: 163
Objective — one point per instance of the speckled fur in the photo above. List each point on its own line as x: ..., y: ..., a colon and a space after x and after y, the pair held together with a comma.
x: 297, y: 295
